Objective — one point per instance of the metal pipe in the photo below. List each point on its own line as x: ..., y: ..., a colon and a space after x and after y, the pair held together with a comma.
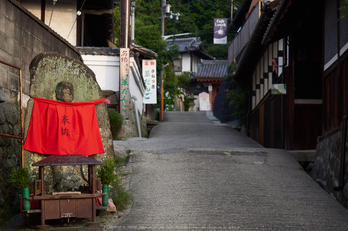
x: 136, y: 115
x: 21, y: 115
x: 132, y: 20
x: 162, y: 72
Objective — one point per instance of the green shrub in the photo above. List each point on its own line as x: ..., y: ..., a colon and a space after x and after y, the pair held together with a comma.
x: 116, y: 121
x: 107, y: 172
x: 20, y: 177
x: 121, y: 198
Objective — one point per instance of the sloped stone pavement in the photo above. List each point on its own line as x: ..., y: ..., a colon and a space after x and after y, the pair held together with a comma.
x: 197, y: 174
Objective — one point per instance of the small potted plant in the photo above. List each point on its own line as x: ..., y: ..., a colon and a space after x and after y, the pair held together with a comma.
x: 21, y: 178
x: 108, y: 176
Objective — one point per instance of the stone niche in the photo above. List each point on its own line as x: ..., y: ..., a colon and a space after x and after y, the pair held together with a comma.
x: 46, y: 71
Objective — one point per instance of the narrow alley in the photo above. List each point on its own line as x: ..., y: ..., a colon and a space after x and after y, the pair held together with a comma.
x: 198, y: 174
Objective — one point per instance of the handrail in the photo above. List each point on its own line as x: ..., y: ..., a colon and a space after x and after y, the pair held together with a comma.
x: 21, y: 110
x: 343, y: 154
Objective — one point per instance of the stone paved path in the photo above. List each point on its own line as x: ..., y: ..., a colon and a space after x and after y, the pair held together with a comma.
x: 193, y: 174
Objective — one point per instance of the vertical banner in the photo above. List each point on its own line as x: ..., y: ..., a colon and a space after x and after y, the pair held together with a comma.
x: 220, y: 30
x: 149, y: 74
x: 124, y: 82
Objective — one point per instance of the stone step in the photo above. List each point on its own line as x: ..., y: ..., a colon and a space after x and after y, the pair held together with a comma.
x: 304, y: 155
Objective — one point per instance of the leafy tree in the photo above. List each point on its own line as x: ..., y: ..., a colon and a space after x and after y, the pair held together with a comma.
x: 196, y: 17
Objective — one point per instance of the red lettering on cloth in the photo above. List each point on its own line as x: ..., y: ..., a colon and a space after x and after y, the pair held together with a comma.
x: 61, y: 128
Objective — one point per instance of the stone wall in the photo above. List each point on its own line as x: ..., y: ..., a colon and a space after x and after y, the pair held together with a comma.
x: 326, y: 168
x: 23, y: 36
x: 10, y: 154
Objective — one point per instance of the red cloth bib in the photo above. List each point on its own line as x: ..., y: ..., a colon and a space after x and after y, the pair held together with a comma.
x: 61, y: 128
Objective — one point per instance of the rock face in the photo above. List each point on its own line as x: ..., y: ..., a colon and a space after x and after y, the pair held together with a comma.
x: 130, y: 127
x: 46, y: 71
x: 325, y: 170
x: 10, y: 154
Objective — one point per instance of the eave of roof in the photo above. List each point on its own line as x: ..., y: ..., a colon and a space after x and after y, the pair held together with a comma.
x: 66, y: 160
x: 108, y: 51
x: 240, y: 16
x: 253, y: 49
x: 275, y: 21
x: 144, y: 51
x: 209, y: 79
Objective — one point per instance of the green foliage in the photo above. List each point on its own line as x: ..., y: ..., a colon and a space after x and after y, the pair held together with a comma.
x: 184, y: 80
x: 196, y: 17
x: 117, y: 25
x: 116, y: 121
x: 107, y: 172
x: 122, y: 197
x: 121, y: 161
x: 238, y: 98
x: 20, y: 177
x: 344, y: 9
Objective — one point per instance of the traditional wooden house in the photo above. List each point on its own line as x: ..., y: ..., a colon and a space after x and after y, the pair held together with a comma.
x: 302, y: 44
x: 330, y: 165
x: 283, y: 48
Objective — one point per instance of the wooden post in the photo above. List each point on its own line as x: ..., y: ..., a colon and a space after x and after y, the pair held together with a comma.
x: 124, y: 82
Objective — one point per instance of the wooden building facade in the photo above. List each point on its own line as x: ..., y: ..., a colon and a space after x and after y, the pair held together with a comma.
x: 303, y: 44
x: 284, y: 48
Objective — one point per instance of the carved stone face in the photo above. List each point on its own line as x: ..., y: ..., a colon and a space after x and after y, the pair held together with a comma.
x: 65, y: 91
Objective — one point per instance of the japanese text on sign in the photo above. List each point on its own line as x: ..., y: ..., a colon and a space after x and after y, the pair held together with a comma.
x: 150, y: 79
x: 124, y: 82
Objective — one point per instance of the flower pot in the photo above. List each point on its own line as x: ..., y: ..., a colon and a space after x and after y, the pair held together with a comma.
x: 26, y: 202
x: 105, y: 189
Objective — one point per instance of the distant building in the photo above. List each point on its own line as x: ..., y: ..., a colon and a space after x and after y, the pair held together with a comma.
x: 211, y: 73
x: 191, y: 52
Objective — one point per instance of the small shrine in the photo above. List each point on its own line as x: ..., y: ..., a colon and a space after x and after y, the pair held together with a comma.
x: 67, y: 204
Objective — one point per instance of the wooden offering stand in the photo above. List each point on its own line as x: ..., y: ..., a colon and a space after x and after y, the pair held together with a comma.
x: 67, y: 204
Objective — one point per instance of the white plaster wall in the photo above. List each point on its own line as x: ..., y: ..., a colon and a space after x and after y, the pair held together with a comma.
x: 186, y: 62
x: 106, y: 70
x: 63, y: 16
x: 195, y: 62
x: 136, y: 86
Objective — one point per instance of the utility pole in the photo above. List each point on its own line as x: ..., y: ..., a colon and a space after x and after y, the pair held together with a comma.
x: 125, y: 18
x: 232, y: 10
x: 162, y: 72
x: 132, y: 19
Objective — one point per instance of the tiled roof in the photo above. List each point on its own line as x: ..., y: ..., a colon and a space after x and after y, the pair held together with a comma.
x: 212, y: 69
x: 190, y: 45
x: 109, y: 51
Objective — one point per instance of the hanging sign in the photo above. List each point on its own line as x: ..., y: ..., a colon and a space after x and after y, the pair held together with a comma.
x: 278, y: 89
x: 149, y: 74
x: 220, y: 30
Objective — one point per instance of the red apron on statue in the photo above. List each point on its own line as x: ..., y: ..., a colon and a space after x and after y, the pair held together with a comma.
x: 61, y: 128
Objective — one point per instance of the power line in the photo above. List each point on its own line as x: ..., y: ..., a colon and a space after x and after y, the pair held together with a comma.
x: 214, y: 3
